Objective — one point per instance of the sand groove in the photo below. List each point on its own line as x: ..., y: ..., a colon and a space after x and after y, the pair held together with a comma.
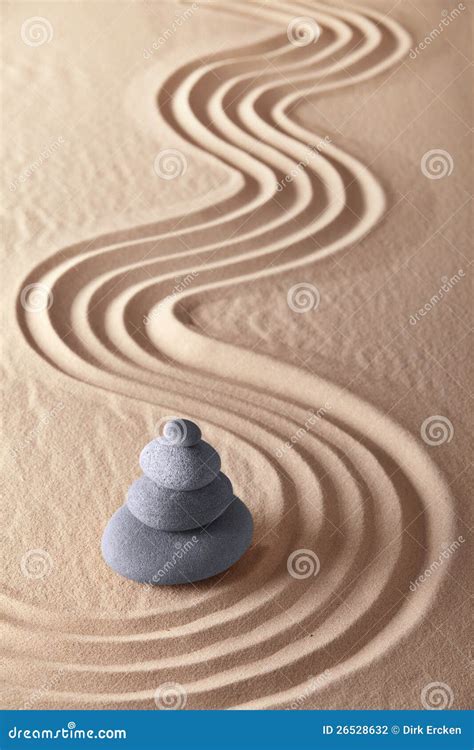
x: 347, y: 491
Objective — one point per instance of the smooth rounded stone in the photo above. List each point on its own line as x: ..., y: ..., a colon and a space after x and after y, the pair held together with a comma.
x: 177, y: 510
x: 178, y: 467
x: 136, y: 551
x: 180, y: 432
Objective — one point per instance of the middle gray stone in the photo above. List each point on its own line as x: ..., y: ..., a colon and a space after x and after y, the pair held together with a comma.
x: 178, y: 510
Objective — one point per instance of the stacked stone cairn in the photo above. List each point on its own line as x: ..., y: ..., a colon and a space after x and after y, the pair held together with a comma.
x: 181, y: 522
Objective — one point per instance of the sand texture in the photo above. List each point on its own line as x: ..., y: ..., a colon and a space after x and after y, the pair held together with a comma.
x: 235, y: 218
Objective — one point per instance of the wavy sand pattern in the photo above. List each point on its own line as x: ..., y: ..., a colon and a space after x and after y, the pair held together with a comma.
x: 356, y: 471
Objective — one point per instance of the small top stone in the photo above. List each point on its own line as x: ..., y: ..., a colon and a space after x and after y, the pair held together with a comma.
x: 180, y: 432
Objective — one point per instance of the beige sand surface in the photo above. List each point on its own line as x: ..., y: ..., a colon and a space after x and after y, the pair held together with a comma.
x: 164, y: 284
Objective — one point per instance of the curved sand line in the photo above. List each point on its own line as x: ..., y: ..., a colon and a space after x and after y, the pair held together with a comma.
x: 348, y: 614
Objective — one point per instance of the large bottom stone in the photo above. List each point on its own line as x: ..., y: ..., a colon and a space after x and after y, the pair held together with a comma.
x: 148, y: 555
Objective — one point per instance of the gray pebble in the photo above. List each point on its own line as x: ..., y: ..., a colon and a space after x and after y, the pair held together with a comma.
x: 148, y: 555
x: 177, y: 510
x: 178, y: 467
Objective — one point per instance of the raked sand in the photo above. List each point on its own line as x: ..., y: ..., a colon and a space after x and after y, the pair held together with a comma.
x: 141, y: 285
